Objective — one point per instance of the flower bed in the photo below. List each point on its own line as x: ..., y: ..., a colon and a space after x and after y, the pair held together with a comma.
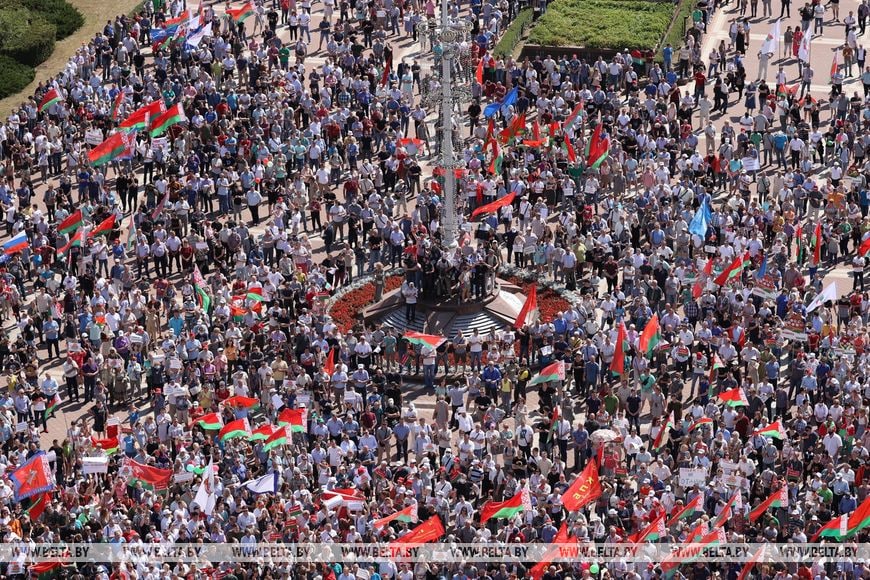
x: 349, y: 301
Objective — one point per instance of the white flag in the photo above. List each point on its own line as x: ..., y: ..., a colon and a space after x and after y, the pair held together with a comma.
x: 205, y: 496
x: 771, y: 43
x: 829, y: 294
x: 195, y: 38
x: 804, y: 50
x: 266, y: 484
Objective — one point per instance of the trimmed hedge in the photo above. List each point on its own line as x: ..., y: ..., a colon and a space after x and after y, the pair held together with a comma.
x: 14, y: 76
x: 513, y: 34
x: 65, y: 17
x: 677, y: 32
x: 34, y: 45
x: 599, y: 24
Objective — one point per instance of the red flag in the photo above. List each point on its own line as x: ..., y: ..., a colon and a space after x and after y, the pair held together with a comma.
x: 529, y: 306
x: 536, y: 131
x: 817, y: 250
x: 585, y: 489
x: 569, y: 148
x: 38, y: 506
x: 496, y: 205
x: 329, y: 364
x: 33, y: 478
x: 655, y: 531
x: 478, y: 74
x: 387, y: 67
x: 429, y: 531
x: 617, y: 365
x: 864, y: 247
x: 152, y: 477
x: 562, y: 537
x: 755, y: 559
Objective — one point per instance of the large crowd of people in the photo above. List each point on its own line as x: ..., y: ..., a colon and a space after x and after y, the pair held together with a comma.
x: 162, y: 295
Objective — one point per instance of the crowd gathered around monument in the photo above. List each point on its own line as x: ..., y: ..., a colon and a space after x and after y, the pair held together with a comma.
x: 189, y: 200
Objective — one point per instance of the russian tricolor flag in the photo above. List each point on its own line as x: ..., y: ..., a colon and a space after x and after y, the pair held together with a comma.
x: 16, y: 244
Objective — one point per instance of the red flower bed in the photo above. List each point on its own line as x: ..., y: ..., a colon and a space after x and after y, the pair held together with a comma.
x: 344, y: 312
x: 550, y: 303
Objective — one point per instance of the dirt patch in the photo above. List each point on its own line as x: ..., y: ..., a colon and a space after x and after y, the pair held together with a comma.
x: 96, y: 12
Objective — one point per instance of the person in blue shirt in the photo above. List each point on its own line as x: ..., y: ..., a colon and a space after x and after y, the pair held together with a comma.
x: 668, y: 57
x: 491, y: 380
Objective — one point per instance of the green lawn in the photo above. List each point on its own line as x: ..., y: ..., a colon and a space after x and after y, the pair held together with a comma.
x: 597, y: 24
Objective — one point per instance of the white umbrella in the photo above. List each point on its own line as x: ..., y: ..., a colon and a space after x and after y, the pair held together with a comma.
x: 604, y: 436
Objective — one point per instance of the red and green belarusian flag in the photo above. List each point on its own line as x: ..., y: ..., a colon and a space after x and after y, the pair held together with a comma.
x: 779, y: 499
x: 294, y: 418
x: 617, y: 365
x: 53, y: 404
x: 837, y: 528
x: 551, y: 372
x: 734, y: 270
x: 116, y: 105
x: 139, y: 118
x: 502, y: 509
x: 199, y: 287
x: 691, y: 552
x: 664, y: 433
x: 76, y: 241
x: 695, y: 504
x: 569, y: 150
x: 418, y: 338
x: 407, y: 515
x: 104, y: 227
x: 497, y: 162
x: 50, y: 97
x: 278, y: 438
x: 817, y: 244
x: 242, y: 402
x: 775, y: 430
x: 572, y: 118
x: 650, y: 337
x: 71, y: 223
x: 108, y: 150
x: 150, y: 477
x: 735, y: 397
x: 654, y: 531
x: 262, y: 433
x: 755, y: 559
x: 234, y: 429
x: 598, y: 148
x: 700, y: 423
x: 110, y: 446
x: 173, y: 115
x: 38, y: 505
x: 210, y: 422
x: 242, y: 13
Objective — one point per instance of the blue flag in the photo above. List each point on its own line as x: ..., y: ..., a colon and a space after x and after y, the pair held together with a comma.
x: 762, y: 270
x: 701, y: 222
x: 508, y: 100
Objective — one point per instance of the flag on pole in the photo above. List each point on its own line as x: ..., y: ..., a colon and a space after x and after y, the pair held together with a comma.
x: 828, y: 294
x: 199, y: 287
x: 205, y: 496
x: 650, y: 337
x: 509, y: 99
x: 617, y: 365
x: 654, y: 531
x: 835, y: 63
x: 775, y: 430
x: 695, y: 504
x: 210, y: 422
x: 771, y: 43
x: 478, y: 74
x: 294, y: 418
x: 71, y: 223
x: 265, y: 484
x: 734, y: 397
x: 733, y: 270
x: 502, y: 509
x: 107, y: 151
x: 664, y: 433
x: 104, y: 227
x: 431, y: 530
x: 18, y: 243
x: 234, y: 429
x: 50, y: 97
x: 584, y: 490
x: 779, y: 499
x: 528, y: 313
x: 804, y: 49
x: 496, y: 205
x: 755, y: 559
x: 242, y: 13
x: 116, y: 105
x: 552, y: 372
x: 407, y: 515
x: 34, y: 477
x: 172, y: 116
x: 817, y: 244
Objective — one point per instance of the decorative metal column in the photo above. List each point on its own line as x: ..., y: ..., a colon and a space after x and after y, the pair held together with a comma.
x: 446, y: 96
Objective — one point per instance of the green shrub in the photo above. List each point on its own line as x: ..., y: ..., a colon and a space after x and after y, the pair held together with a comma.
x: 14, y: 76
x: 678, y: 30
x: 65, y: 17
x: 513, y: 34
x: 34, y: 45
x: 598, y: 24
x: 14, y: 21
